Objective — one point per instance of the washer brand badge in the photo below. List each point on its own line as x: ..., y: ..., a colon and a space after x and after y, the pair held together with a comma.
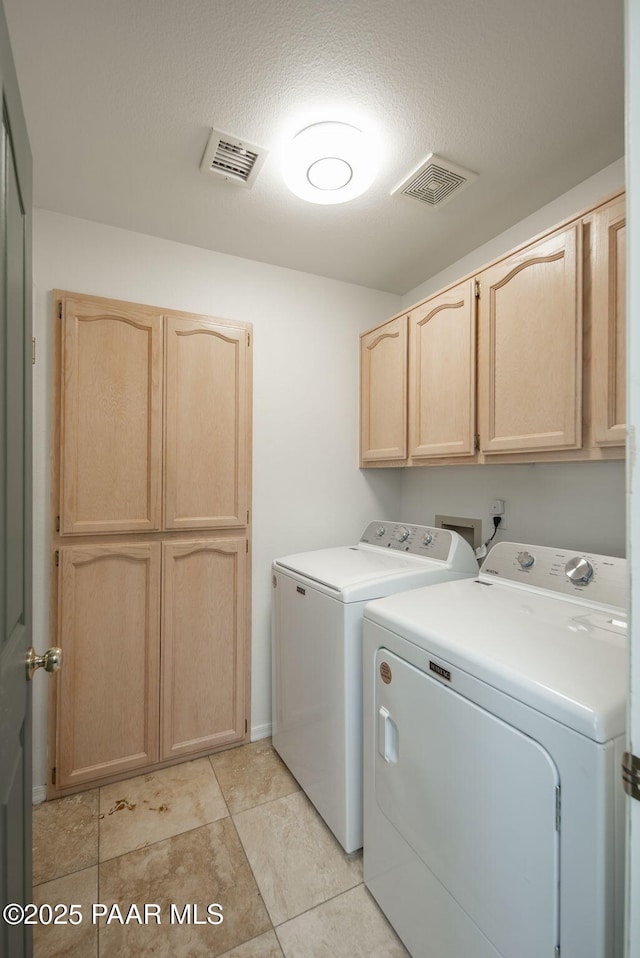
x: 301, y: 590
x: 385, y: 672
x: 443, y: 673
x: 491, y: 571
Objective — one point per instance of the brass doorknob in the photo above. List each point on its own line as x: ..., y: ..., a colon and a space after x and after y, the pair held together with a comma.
x: 51, y: 661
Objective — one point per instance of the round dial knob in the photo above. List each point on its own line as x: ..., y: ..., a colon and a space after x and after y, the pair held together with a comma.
x: 402, y: 534
x: 380, y: 531
x: 525, y: 560
x: 579, y: 570
x: 427, y: 539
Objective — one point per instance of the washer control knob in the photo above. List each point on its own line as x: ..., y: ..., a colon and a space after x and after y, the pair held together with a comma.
x: 427, y: 539
x: 525, y: 560
x: 380, y: 531
x: 402, y: 534
x: 579, y: 570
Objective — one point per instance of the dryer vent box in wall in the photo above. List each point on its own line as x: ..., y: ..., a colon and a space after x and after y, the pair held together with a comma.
x: 232, y: 159
x: 469, y: 529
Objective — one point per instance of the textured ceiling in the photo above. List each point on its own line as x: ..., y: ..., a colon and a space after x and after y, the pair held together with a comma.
x: 120, y: 97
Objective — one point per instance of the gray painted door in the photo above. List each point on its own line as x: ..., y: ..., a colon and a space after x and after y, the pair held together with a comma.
x: 15, y: 506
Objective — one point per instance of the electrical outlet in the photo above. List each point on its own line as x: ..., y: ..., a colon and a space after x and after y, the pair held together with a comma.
x: 496, y: 508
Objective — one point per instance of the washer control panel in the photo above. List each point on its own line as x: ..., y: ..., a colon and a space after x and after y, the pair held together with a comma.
x: 422, y: 541
x: 597, y: 578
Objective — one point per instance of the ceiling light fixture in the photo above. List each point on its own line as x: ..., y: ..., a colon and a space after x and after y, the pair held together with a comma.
x: 330, y: 163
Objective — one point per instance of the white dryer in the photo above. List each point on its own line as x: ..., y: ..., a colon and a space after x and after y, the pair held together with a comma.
x: 494, y: 724
x: 318, y: 599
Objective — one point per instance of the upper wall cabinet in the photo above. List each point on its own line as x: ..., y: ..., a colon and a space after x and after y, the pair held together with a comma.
x: 140, y: 389
x: 111, y: 423
x: 522, y: 362
x: 608, y: 324
x: 530, y: 347
x: 383, y: 392
x: 442, y: 380
x: 206, y: 425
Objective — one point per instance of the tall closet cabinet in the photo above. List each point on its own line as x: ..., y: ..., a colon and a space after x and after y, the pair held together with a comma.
x: 151, y: 484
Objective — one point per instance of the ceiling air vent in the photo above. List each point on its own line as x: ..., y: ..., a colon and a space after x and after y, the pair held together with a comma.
x: 232, y: 158
x: 435, y: 181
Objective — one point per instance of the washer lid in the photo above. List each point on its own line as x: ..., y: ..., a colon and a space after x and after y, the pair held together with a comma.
x: 358, y: 572
x: 557, y: 655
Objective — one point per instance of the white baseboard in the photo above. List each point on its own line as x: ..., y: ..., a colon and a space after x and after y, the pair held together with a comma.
x: 260, y: 731
x: 39, y: 794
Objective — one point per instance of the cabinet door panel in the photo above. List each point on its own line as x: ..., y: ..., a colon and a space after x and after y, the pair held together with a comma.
x: 207, y: 425
x: 442, y: 344
x: 608, y: 325
x: 530, y: 357
x: 383, y: 392
x: 109, y: 631
x: 203, y: 650
x: 111, y: 428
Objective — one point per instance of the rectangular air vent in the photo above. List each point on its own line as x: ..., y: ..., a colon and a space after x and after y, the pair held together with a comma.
x: 233, y: 159
x: 435, y: 181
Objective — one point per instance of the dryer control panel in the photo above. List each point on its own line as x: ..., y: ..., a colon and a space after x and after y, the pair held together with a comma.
x: 584, y: 575
x: 414, y: 540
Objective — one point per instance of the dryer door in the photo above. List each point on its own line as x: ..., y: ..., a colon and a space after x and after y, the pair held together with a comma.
x: 476, y: 801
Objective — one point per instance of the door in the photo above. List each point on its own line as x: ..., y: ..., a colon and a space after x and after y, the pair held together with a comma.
x: 457, y: 783
x: 442, y: 374
x: 608, y: 332
x: 207, y: 424
x: 633, y: 460
x: 203, y: 697
x: 530, y: 347
x: 111, y: 417
x: 109, y: 631
x: 15, y: 512
x: 383, y: 392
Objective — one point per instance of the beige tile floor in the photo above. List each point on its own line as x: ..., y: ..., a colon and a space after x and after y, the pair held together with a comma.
x: 233, y: 830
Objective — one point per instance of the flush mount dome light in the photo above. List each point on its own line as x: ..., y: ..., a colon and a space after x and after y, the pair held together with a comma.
x: 330, y: 163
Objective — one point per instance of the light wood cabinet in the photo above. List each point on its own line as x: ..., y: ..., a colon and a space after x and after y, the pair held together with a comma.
x: 523, y: 361
x: 151, y: 441
x: 442, y: 374
x: 203, y: 669
x: 383, y: 392
x: 530, y: 347
x: 109, y: 628
x: 206, y: 425
x: 111, y: 417
x: 608, y: 324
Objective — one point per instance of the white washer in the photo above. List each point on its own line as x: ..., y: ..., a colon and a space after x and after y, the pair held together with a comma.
x: 318, y: 600
x: 494, y: 724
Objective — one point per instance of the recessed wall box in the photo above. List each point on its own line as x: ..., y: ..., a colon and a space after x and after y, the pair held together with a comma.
x: 469, y: 529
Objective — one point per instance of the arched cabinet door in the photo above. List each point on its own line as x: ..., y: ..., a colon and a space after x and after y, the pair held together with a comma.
x: 442, y: 374
x: 109, y: 632
x: 204, y: 645
x: 608, y: 324
x: 383, y: 392
x: 111, y: 417
x: 207, y: 424
x: 530, y: 347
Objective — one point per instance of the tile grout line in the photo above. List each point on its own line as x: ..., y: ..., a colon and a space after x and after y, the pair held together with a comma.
x: 253, y: 875
x: 311, y: 907
x: 318, y: 905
